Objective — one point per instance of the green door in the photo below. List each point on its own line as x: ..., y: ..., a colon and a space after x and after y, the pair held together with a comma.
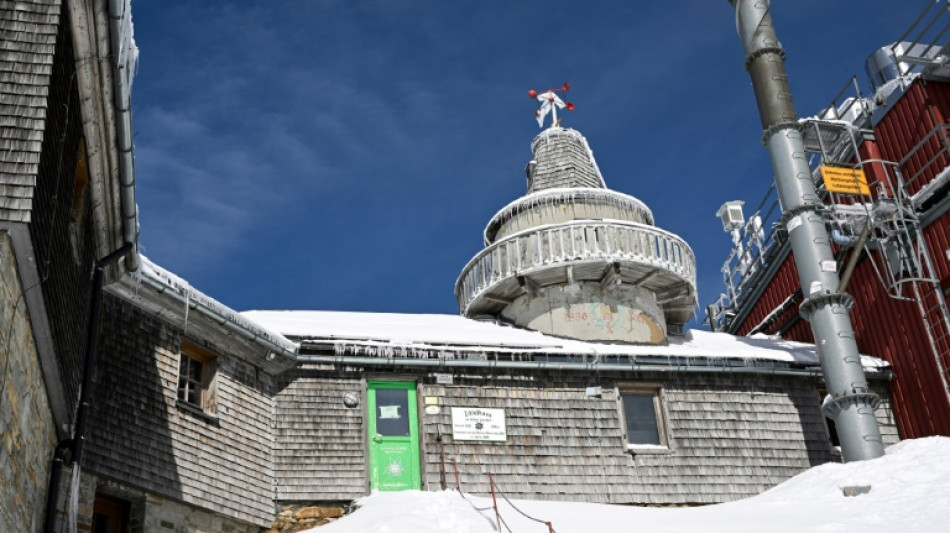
x: 393, y: 436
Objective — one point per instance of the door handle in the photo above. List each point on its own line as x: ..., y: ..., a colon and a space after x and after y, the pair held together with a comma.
x: 378, y: 438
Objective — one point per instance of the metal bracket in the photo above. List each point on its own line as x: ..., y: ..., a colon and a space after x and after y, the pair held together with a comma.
x: 767, y: 133
x: 810, y: 305
x: 793, y: 212
x: 755, y: 54
x: 836, y: 404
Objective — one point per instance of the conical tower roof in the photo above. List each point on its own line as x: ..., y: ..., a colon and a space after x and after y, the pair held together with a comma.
x: 575, y: 259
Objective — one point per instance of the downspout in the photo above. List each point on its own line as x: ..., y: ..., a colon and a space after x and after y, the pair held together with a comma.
x: 851, y: 403
x: 76, y: 444
x: 123, y: 124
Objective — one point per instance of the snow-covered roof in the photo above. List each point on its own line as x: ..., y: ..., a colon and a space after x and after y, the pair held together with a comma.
x: 157, y: 276
x: 456, y: 333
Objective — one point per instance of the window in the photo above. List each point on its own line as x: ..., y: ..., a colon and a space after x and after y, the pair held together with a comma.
x: 641, y: 406
x: 196, y: 372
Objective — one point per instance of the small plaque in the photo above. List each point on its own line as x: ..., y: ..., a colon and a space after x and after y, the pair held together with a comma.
x: 432, y: 400
x: 478, y: 424
x: 432, y: 409
x: 443, y: 379
x: 595, y: 392
x: 829, y: 266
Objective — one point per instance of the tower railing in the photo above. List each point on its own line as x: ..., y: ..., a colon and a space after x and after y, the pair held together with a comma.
x: 648, y: 248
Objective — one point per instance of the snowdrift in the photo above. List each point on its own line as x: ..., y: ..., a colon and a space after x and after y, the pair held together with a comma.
x: 909, y: 492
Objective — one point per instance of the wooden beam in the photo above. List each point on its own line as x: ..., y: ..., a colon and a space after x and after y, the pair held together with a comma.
x: 646, y: 277
x: 673, y: 292
x: 611, y: 276
x: 529, y: 285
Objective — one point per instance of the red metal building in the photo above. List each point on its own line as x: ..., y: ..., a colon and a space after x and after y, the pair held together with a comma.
x: 893, y: 245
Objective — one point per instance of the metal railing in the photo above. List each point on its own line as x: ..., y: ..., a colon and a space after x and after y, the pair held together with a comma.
x: 562, y: 244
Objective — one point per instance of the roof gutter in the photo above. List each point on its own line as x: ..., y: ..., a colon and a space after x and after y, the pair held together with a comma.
x: 563, y: 365
x: 122, y: 64
x: 224, y: 321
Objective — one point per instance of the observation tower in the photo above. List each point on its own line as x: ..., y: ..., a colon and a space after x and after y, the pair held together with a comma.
x: 575, y: 259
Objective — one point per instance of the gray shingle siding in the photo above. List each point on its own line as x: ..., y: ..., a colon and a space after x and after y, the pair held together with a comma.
x: 731, y: 436
x: 138, y: 435
x: 28, y: 34
x: 320, y: 449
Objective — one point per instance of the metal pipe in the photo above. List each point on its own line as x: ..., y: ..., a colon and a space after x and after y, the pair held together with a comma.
x: 855, y: 255
x: 852, y: 403
x: 92, y: 337
x: 55, y: 477
x: 123, y: 125
x: 76, y: 444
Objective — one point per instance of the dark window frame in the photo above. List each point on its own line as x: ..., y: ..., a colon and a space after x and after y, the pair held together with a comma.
x: 655, y: 391
x: 204, y: 384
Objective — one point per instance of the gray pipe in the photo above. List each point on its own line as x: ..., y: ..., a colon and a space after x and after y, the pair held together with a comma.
x: 851, y: 404
x: 123, y: 108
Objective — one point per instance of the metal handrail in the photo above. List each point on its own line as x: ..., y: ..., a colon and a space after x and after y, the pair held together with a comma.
x: 558, y: 244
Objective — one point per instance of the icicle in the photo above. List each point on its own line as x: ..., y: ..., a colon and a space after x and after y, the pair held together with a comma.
x: 187, y: 305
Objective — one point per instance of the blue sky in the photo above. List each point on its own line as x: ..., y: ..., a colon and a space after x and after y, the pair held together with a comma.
x: 346, y: 155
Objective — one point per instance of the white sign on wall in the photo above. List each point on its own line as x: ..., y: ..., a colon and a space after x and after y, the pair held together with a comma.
x: 480, y: 424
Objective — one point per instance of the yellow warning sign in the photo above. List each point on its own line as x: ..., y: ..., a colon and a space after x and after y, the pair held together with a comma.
x: 845, y: 180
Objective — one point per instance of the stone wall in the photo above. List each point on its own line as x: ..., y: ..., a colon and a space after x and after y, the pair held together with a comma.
x: 27, y: 432
x: 148, y: 512
x: 300, y: 517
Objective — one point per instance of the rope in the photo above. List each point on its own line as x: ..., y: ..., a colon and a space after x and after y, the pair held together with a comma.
x: 504, y: 497
x: 522, y: 513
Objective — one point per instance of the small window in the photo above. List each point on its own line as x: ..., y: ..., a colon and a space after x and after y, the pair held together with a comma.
x: 196, y: 372
x: 642, y: 409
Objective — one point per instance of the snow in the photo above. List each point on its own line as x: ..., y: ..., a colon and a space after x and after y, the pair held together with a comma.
x: 151, y: 272
x: 910, y: 491
x: 556, y: 196
x: 452, y: 332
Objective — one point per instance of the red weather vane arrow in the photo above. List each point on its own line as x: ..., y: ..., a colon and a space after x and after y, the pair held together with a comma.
x: 550, y: 103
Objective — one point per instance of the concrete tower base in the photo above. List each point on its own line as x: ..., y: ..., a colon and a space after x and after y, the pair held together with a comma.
x: 586, y: 311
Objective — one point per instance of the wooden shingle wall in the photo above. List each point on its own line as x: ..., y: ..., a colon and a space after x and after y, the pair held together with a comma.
x: 138, y: 435
x: 27, y: 44
x: 320, y: 449
x: 731, y: 436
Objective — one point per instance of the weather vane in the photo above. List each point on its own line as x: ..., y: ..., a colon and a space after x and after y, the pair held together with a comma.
x: 550, y: 103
